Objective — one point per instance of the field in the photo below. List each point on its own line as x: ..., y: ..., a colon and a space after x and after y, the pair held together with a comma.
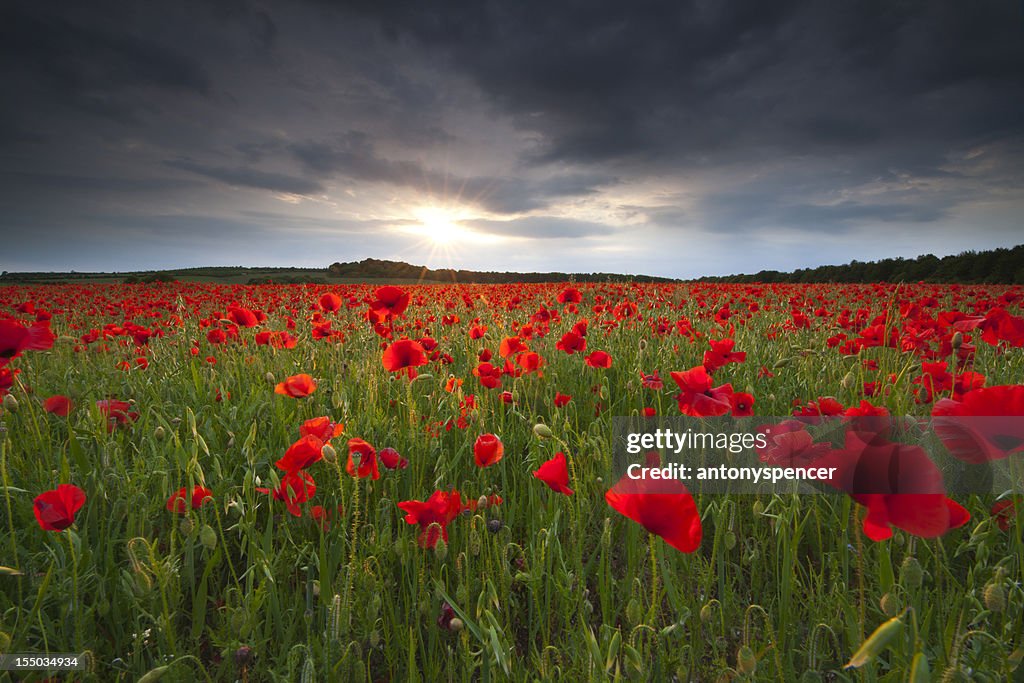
x: 218, y: 531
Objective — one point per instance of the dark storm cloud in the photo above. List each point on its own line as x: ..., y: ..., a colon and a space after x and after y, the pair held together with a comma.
x: 615, y: 80
x: 602, y: 121
x: 242, y: 176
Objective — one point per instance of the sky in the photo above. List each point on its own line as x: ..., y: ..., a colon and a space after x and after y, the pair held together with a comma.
x: 673, y: 138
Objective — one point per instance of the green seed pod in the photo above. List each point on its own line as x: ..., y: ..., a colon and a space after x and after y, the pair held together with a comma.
x: 911, y: 573
x: 441, y: 550
x: 208, y: 537
x: 474, y: 542
x: 889, y: 604
x: 746, y: 661
x: 542, y: 431
x: 634, y: 613
x: 878, y: 641
x: 995, y: 597
x: 707, y: 613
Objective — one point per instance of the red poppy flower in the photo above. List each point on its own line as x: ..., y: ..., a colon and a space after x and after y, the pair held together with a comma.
x: 391, y: 301
x: 392, y: 460
x: 330, y: 302
x: 721, y: 354
x: 555, y: 474
x: 510, y: 346
x: 571, y: 342
x: 404, y: 354
x: 652, y: 381
x: 13, y: 340
x: 489, y: 375
x: 7, y: 380
x: 898, y: 484
x: 599, y: 359
x: 569, y: 295
x: 1005, y: 512
x: 367, y: 455
x: 664, y: 507
x: 742, y: 404
x: 296, y: 487
x: 986, y: 425
x: 697, y: 397
x: 531, y: 362
x: 296, y: 386
x: 301, y: 454
x: 181, y: 499
x: 55, y: 509
x: 58, y: 405
x: 561, y: 399
x: 488, y: 450
x: 117, y: 413
x: 440, y: 509
x: 322, y: 428
x: 243, y: 317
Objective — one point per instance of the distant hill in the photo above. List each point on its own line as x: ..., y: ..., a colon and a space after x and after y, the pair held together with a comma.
x: 997, y: 266
x: 379, y: 269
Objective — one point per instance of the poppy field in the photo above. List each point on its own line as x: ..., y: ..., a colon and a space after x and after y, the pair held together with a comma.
x: 376, y: 483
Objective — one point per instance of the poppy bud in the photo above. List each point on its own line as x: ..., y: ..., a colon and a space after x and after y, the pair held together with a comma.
x: 542, y: 431
x: 995, y: 597
x: 919, y: 672
x: 270, y: 378
x: 633, y: 612
x: 746, y: 661
x: 208, y: 537
x: 441, y: 549
x: 707, y: 613
x: 159, y: 433
x: 186, y: 527
x: 911, y: 573
x: 878, y: 641
x: 5, y: 641
x: 730, y: 540
x: 455, y: 625
x: 154, y: 674
x: 330, y: 456
x: 957, y: 341
x: 643, y: 344
x: 374, y: 638
x: 11, y: 403
x: 849, y: 381
x: 889, y: 604
x: 758, y: 507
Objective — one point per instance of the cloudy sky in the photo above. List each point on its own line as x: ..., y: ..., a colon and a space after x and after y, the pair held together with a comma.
x: 675, y: 138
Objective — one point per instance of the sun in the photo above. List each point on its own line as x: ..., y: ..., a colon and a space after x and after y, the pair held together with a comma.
x: 440, y: 225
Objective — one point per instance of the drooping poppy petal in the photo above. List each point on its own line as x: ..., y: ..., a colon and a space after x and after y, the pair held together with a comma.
x: 555, y: 473
x: 55, y: 509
